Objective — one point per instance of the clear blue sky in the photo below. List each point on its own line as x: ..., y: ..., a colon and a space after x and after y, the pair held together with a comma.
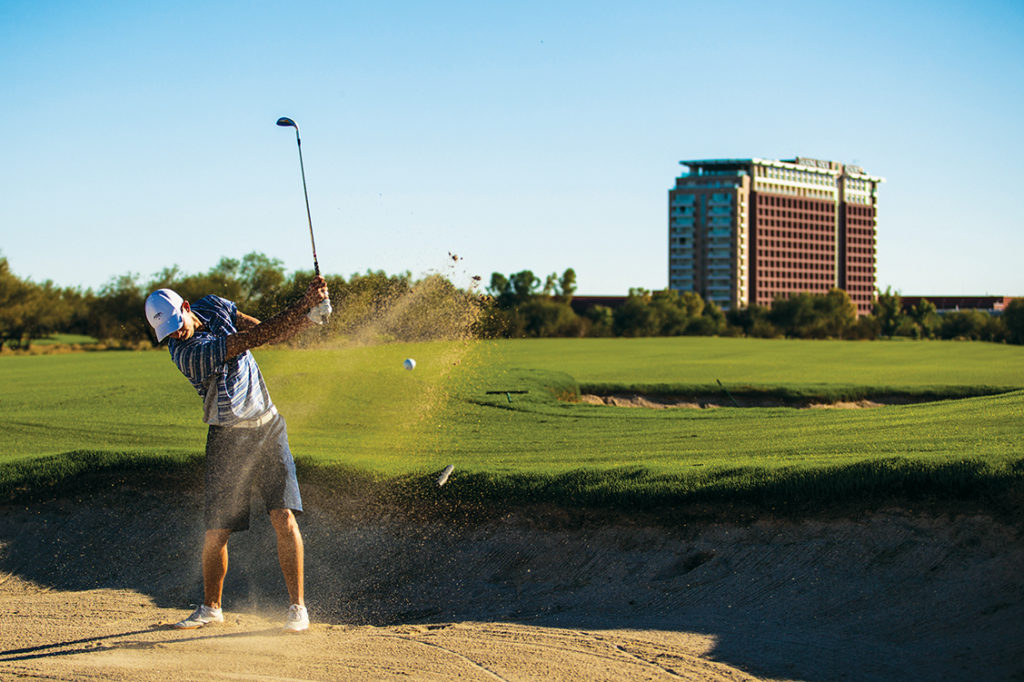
x: 517, y: 135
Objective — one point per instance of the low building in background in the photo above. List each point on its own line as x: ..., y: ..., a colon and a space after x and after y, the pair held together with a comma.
x: 582, y: 304
x: 745, y: 231
x: 948, y: 304
x: 943, y: 304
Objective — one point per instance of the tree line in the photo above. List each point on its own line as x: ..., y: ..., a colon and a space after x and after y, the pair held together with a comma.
x: 518, y: 305
x: 523, y: 309
x: 373, y: 304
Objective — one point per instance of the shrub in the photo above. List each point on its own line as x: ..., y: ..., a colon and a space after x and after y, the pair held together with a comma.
x: 1013, y: 321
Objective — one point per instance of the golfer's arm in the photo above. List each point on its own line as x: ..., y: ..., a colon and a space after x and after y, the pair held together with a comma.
x: 244, y: 322
x: 253, y: 333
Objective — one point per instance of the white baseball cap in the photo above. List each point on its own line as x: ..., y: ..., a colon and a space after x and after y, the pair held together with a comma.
x: 163, y: 310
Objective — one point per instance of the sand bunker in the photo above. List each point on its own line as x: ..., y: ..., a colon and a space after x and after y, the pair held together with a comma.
x: 88, y: 587
x: 706, y: 402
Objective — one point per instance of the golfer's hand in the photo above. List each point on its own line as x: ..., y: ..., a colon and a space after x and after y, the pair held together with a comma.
x: 315, y: 293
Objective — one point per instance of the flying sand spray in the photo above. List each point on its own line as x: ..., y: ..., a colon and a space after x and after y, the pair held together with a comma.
x: 322, y: 312
x: 410, y: 365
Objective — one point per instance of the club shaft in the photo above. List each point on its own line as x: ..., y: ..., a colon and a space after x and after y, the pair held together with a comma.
x: 305, y: 193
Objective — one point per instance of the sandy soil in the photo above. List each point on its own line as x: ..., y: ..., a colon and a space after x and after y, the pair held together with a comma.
x: 664, y: 402
x: 89, y: 586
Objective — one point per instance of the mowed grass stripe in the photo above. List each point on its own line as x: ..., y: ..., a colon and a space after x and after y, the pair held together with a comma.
x: 771, y: 362
x: 113, y: 401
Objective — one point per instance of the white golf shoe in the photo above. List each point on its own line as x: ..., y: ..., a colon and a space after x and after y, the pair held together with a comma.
x: 298, y: 619
x: 204, y: 615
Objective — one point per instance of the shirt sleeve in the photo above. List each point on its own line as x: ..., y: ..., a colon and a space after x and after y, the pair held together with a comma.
x: 227, y: 307
x: 199, y: 358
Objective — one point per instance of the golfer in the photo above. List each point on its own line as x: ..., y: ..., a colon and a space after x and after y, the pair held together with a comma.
x: 247, y: 444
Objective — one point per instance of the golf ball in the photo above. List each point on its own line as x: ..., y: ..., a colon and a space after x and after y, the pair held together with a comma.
x: 409, y: 364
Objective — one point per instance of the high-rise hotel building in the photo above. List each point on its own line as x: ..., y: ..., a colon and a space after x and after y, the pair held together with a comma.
x: 744, y: 231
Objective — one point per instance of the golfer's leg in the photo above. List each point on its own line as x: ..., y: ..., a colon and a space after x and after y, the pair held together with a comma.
x: 289, y: 551
x: 215, y: 565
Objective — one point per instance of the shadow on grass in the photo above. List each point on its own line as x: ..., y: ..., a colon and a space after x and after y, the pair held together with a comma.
x: 82, y: 471
x: 759, y: 490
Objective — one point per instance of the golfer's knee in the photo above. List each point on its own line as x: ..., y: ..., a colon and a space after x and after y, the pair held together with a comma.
x: 284, y: 522
x: 215, y: 539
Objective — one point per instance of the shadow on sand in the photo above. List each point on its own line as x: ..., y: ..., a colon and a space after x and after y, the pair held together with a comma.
x: 73, y: 647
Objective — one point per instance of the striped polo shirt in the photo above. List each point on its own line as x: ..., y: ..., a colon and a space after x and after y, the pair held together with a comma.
x: 232, y: 389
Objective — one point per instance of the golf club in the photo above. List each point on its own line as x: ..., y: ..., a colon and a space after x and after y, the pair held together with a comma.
x: 321, y: 312
x: 443, y: 478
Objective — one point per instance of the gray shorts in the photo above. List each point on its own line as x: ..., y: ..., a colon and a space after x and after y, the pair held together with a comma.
x: 239, y: 460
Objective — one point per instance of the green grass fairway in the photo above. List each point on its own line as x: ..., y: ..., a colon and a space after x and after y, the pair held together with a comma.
x: 357, y: 410
x: 770, y: 362
x: 65, y: 339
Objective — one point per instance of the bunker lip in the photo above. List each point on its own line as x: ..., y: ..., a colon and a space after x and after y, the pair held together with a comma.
x: 575, y: 498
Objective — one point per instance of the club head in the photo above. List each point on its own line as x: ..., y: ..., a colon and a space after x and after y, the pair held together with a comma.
x: 287, y: 123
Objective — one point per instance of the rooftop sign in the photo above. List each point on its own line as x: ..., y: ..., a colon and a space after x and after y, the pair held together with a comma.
x: 815, y: 163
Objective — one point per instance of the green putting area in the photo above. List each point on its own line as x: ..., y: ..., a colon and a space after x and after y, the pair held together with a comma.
x: 508, y: 416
